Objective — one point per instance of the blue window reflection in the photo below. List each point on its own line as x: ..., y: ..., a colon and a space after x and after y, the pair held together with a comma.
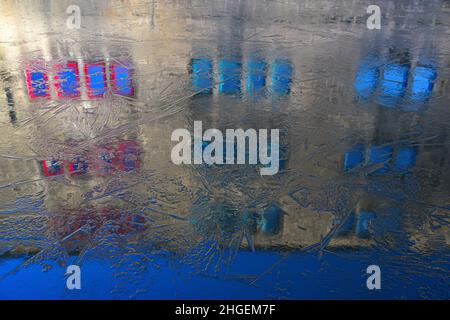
x: 67, y: 80
x: 79, y: 165
x: 256, y: 75
x: 379, y: 155
x: 121, y: 80
x: 38, y: 84
x: 345, y: 224
x: 354, y: 157
x: 281, y: 76
x: 405, y: 159
x: 202, y: 75
x: 422, y: 83
x: 366, y: 79
x: 393, y: 84
x: 363, y: 223
x: 271, y: 220
x: 229, y: 76
x: 96, y: 80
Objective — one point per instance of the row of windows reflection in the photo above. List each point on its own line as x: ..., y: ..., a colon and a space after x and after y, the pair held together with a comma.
x: 99, y: 76
x: 101, y: 160
x: 66, y: 79
x: 393, y: 82
x: 235, y: 76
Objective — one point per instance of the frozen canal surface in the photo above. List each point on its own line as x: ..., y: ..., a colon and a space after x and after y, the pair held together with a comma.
x: 86, y: 177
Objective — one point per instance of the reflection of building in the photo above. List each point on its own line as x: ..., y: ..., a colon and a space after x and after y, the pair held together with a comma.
x: 98, y: 135
x: 76, y: 103
x: 395, y: 148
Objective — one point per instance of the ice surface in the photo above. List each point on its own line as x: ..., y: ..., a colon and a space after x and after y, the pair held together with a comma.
x: 86, y: 178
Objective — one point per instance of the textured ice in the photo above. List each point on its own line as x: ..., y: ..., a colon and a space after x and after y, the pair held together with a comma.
x: 86, y: 178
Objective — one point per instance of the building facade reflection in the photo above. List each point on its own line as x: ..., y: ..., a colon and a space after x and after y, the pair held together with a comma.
x: 99, y: 115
